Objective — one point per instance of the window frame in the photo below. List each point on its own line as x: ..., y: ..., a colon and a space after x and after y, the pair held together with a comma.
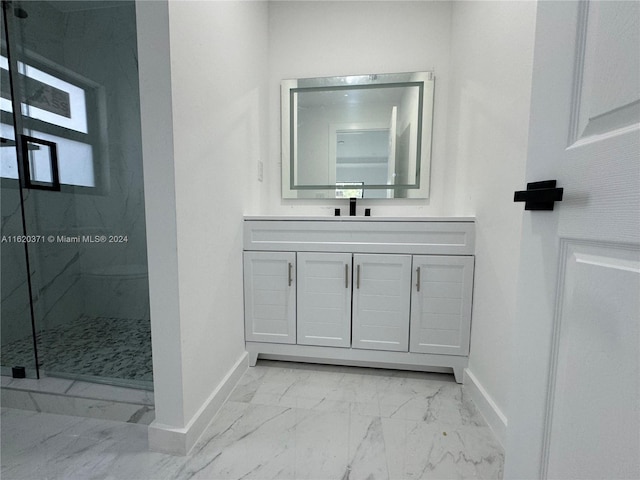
x: 96, y: 118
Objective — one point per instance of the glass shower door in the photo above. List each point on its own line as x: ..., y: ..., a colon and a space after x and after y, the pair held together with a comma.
x: 17, y: 353
x: 75, y: 110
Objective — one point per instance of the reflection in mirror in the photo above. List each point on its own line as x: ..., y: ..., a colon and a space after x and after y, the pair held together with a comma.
x: 366, y: 136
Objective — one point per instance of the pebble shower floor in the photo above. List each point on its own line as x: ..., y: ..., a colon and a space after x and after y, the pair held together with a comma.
x: 104, y: 347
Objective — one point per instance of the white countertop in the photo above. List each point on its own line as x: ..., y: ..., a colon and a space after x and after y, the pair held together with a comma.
x: 347, y: 218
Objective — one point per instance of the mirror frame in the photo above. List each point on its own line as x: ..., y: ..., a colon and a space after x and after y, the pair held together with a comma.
x: 424, y: 80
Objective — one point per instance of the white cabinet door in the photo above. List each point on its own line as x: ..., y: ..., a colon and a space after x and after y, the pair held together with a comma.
x: 441, y: 304
x: 324, y: 299
x: 381, y: 298
x: 270, y: 297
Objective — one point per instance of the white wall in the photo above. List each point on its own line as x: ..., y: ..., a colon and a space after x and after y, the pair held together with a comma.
x: 213, y: 135
x: 152, y: 21
x: 492, y: 57
x: 315, y: 39
x: 218, y: 65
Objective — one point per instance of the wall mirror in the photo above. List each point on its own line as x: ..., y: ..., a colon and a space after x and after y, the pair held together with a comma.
x: 363, y: 136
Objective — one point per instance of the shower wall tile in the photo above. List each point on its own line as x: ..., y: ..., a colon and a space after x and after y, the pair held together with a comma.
x: 54, y: 267
x: 16, y: 317
x: 117, y: 296
x: 57, y: 296
x: 119, y: 213
x: 112, y: 41
x: 110, y: 34
x: 46, y: 38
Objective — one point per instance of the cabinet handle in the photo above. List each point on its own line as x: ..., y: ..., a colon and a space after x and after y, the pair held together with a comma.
x: 418, y: 278
x: 290, y: 275
x: 346, y: 276
x: 358, y: 276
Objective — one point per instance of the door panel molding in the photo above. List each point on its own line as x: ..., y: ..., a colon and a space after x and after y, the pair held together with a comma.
x: 616, y: 256
x: 600, y: 103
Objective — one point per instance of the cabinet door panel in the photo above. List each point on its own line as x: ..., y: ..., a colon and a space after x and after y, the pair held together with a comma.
x: 441, y: 308
x: 324, y: 299
x: 269, y: 300
x: 381, y: 302
x: 442, y: 289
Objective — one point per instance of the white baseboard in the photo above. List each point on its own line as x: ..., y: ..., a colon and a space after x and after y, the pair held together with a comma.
x: 487, y: 407
x: 180, y: 441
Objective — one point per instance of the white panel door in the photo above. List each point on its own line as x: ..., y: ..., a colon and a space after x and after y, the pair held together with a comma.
x: 574, y: 409
x: 441, y: 304
x: 381, y: 298
x: 270, y: 297
x: 324, y: 299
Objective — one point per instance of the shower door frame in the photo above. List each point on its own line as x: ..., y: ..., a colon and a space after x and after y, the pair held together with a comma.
x: 22, y: 182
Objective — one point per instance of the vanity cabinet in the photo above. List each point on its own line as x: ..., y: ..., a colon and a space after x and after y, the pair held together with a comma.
x: 324, y: 299
x: 441, y: 304
x: 390, y: 293
x: 270, y: 297
x: 381, y: 301
x: 368, y: 309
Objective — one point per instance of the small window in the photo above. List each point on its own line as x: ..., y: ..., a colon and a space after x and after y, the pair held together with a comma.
x: 59, y: 107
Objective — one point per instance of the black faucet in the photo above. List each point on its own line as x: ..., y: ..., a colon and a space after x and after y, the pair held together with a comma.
x: 352, y: 207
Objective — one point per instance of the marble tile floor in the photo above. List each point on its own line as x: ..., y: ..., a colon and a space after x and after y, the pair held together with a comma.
x: 101, y: 347
x: 282, y: 421
x: 78, y: 398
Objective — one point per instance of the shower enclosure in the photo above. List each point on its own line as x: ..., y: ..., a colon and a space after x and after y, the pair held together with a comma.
x: 74, y: 284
